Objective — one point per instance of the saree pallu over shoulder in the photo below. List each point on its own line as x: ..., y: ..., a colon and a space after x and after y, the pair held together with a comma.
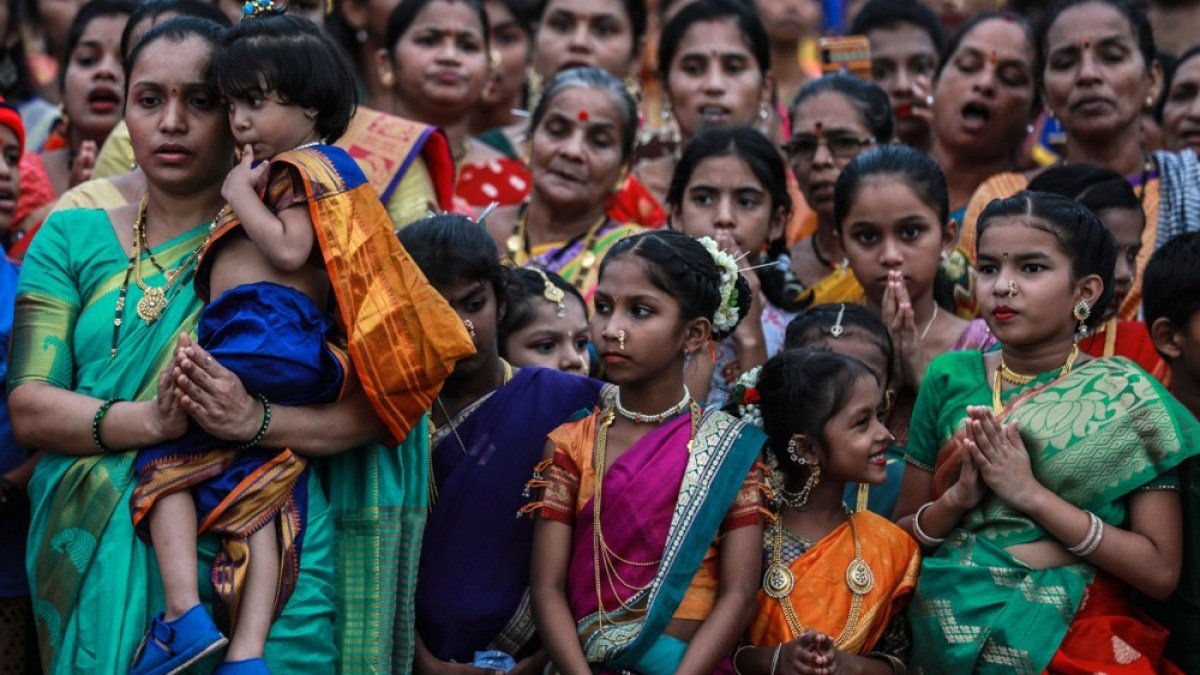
x: 403, y: 337
x: 821, y: 598
x: 386, y: 146
x: 722, y: 453
x: 1094, y: 437
x: 840, y: 285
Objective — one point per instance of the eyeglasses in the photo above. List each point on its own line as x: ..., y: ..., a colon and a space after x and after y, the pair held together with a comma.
x: 841, y: 146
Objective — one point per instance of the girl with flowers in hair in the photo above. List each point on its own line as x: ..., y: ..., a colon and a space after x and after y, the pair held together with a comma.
x: 837, y: 581
x: 646, y: 548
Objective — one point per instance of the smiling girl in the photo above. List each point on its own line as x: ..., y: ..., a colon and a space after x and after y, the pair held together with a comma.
x: 1045, y: 480
x: 646, y: 543
x: 837, y: 581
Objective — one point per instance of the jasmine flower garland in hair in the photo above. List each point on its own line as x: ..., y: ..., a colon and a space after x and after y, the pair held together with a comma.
x: 745, y: 393
x: 726, y: 317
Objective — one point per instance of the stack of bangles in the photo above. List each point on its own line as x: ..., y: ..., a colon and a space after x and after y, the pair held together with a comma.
x: 925, y: 539
x: 1094, y: 536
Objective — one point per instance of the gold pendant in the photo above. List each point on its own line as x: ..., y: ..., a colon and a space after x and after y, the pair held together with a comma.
x: 152, y: 304
x: 859, y: 577
x: 778, y: 580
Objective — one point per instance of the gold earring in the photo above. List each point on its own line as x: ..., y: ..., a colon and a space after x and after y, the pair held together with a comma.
x: 801, y: 498
x: 470, y: 327
x: 1081, y: 313
x: 621, y: 339
x: 387, y: 77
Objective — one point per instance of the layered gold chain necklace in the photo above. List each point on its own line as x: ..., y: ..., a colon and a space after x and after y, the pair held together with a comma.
x: 778, y: 582
x: 519, y: 252
x: 602, y: 555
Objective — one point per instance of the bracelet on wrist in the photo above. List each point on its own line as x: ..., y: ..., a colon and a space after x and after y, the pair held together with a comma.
x: 262, y: 430
x: 736, y: 654
x: 100, y: 413
x: 1091, y: 541
x: 922, y: 538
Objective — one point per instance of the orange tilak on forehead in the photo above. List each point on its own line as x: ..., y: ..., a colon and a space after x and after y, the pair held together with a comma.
x: 993, y: 58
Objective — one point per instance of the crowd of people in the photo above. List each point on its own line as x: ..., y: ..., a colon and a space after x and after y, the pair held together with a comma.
x: 575, y: 336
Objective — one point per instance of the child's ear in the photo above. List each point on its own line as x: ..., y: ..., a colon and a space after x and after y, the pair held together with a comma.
x: 383, y: 62
x: 1165, y: 338
x: 696, y: 335
x: 950, y: 236
x: 1089, y: 290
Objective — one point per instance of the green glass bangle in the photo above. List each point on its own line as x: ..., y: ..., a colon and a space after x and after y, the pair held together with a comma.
x: 262, y: 431
x: 100, y: 413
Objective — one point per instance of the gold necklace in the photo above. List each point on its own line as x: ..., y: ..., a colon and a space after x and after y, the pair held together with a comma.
x: 1006, y: 374
x: 602, y: 554
x: 154, y: 298
x: 517, y: 245
x: 433, y: 488
x: 779, y: 581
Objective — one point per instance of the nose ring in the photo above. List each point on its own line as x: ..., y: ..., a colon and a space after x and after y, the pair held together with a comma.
x: 1012, y: 289
x: 621, y: 339
x: 470, y: 327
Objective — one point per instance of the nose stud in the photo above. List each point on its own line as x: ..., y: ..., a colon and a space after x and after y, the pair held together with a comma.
x: 1012, y: 289
x: 621, y: 339
x: 470, y: 327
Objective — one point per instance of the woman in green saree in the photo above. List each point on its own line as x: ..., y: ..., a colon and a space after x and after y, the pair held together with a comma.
x: 91, y: 382
x: 1054, y: 493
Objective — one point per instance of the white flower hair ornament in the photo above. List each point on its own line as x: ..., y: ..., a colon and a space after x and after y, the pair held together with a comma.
x: 725, y: 319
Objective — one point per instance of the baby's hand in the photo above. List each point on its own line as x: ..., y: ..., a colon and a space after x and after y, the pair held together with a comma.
x: 243, y: 178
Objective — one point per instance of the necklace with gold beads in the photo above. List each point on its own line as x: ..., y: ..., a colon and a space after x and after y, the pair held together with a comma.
x: 1006, y: 374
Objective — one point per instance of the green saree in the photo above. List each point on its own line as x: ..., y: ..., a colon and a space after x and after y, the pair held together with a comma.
x: 1103, y: 432
x: 95, y: 584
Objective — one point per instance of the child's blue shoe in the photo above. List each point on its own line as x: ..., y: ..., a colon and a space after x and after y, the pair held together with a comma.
x: 171, y: 646
x: 247, y: 667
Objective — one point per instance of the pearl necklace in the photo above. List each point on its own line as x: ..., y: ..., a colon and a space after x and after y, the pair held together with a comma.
x: 643, y: 418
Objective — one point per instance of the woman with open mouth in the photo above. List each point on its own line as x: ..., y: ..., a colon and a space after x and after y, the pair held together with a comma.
x: 1099, y: 75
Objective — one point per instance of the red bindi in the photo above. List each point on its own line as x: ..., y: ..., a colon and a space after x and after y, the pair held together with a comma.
x: 583, y: 116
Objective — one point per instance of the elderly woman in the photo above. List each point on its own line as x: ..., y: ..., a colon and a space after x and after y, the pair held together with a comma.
x: 583, y: 133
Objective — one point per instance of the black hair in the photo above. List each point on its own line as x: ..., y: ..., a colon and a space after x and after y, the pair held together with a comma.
x: 800, y: 391
x: 22, y: 89
x: 525, y: 12
x: 1090, y: 245
x: 1171, y: 282
x: 178, y: 30
x: 1096, y: 188
x: 765, y: 162
x: 743, y: 14
x: 295, y: 59
x: 592, y: 78
x: 918, y: 171
x: 1171, y: 66
x: 451, y: 248
x: 868, y: 99
x: 526, y: 288
x: 884, y: 14
x: 153, y: 9
x: 635, y: 9
x: 681, y: 267
x: 96, y: 9
x: 1133, y: 12
x: 406, y: 12
x: 811, y: 328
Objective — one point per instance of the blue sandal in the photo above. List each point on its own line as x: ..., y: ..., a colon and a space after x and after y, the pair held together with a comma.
x: 169, y: 647
x: 247, y: 667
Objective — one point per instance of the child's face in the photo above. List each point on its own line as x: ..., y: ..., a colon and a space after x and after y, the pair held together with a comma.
x: 268, y: 125
x: 440, y: 64
x: 656, y: 337
x: 1126, y: 226
x: 724, y: 200
x: 1011, y: 250
x: 10, y: 182
x: 474, y: 301
x: 552, y: 341
x: 890, y: 228
x: 857, y: 438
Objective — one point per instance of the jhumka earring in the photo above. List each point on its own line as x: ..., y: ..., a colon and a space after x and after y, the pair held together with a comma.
x: 470, y: 327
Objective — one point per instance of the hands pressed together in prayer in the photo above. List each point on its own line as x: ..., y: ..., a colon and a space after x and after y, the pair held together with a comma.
x: 901, y: 322
x: 195, y: 385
